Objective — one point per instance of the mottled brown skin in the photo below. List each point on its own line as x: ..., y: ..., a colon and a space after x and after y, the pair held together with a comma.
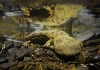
x: 57, y: 40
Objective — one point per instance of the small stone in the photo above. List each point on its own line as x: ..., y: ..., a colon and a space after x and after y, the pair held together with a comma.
x: 7, y: 65
x: 21, y: 53
x: 12, y: 54
x: 7, y: 45
x: 91, y: 49
x: 89, y: 35
x: 3, y: 59
x: 95, y: 59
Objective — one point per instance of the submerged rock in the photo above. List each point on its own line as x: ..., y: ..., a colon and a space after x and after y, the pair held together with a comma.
x: 84, y: 36
x: 89, y: 35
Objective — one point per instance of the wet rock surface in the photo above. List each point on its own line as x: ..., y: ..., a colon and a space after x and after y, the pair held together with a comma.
x: 36, y: 57
x: 3, y: 59
x: 92, y: 35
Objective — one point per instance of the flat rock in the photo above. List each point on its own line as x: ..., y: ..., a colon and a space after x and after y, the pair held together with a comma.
x: 89, y: 35
x: 7, y: 65
x: 8, y: 44
x: 21, y: 53
x: 3, y: 59
x: 91, y: 49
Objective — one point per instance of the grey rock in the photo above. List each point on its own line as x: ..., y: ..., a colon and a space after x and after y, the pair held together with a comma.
x: 7, y: 45
x: 89, y: 35
x: 12, y: 54
x: 12, y: 49
x: 96, y: 31
x: 3, y: 59
x: 21, y: 53
x: 91, y: 49
x: 7, y: 65
x: 84, y: 36
x: 95, y: 58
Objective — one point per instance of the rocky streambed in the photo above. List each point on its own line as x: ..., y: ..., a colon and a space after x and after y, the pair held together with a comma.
x: 15, y: 56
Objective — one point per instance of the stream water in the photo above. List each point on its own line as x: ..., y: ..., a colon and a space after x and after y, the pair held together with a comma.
x: 9, y: 27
